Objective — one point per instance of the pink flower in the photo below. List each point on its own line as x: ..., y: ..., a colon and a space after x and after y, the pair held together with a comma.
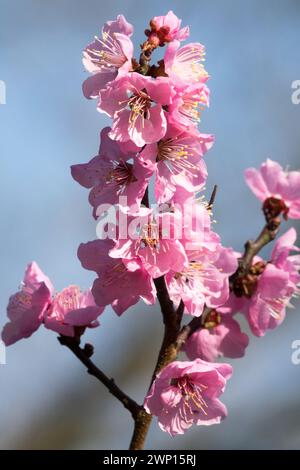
x: 184, y: 65
x: 110, y: 175
x: 166, y: 28
x: 266, y: 309
x: 187, y: 104
x: 154, y: 240
x: 277, y: 188
x: 108, y: 57
x: 177, y: 161
x: 187, y: 393
x: 279, y: 281
x: 120, y: 25
x: 220, y: 336
x: 72, y: 308
x: 205, y: 281
x: 116, y: 284
x: 135, y: 103
x: 26, y: 308
x: 36, y: 303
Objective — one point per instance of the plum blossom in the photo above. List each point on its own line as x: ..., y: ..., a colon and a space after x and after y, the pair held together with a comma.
x: 72, y: 308
x: 268, y: 294
x: 184, y: 65
x: 108, y: 57
x: 187, y: 393
x: 220, y: 336
x: 111, y: 175
x: 165, y: 29
x: 177, y: 161
x: 27, y: 307
x: 266, y: 309
x: 205, y: 281
x: 116, y: 284
x: 136, y: 105
x: 276, y: 286
x: 187, y: 104
x: 153, y: 238
x: 37, y: 303
x: 278, y: 189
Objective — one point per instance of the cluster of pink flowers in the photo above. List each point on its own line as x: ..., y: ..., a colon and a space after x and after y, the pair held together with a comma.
x: 154, y: 135
x: 37, y: 303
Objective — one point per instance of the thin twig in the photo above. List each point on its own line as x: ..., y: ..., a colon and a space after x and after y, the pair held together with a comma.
x: 212, y: 198
x: 252, y: 248
x: 145, y: 200
x: 92, y: 369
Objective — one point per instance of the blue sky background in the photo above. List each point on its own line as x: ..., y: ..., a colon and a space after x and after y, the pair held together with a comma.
x: 253, y: 55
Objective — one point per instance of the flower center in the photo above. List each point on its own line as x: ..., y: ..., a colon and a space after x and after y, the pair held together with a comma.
x: 110, y: 56
x: 139, y: 104
x: 66, y: 300
x: 175, y: 154
x: 188, y: 64
x: 198, y: 271
x: 191, y: 393
x: 120, y: 177
x: 149, y: 236
x: 192, y: 106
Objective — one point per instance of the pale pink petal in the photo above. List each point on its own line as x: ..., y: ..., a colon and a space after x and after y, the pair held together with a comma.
x: 256, y: 183
x: 92, y: 86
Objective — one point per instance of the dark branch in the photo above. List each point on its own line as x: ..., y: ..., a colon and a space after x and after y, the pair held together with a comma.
x: 166, y: 355
x: 145, y: 200
x: 166, y: 304
x: 187, y: 330
x: 252, y: 248
x: 92, y: 369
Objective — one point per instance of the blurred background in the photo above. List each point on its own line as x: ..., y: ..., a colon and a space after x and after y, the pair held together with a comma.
x: 47, y: 401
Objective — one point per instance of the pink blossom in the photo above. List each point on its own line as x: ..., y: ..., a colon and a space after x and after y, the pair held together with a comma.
x: 220, y: 336
x: 184, y: 65
x: 266, y: 309
x: 271, y: 181
x: 26, y: 308
x: 276, y: 286
x: 205, y: 281
x: 72, y: 308
x: 182, y: 197
x: 111, y: 175
x: 198, y: 237
x: 116, y: 284
x: 187, y: 104
x: 154, y: 240
x: 120, y: 25
x: 177, y: 161
x: 135, y: 103
x: 37, y: 303
x: 167, y: 28
x: 108, y: 57
x: 187, y: 393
